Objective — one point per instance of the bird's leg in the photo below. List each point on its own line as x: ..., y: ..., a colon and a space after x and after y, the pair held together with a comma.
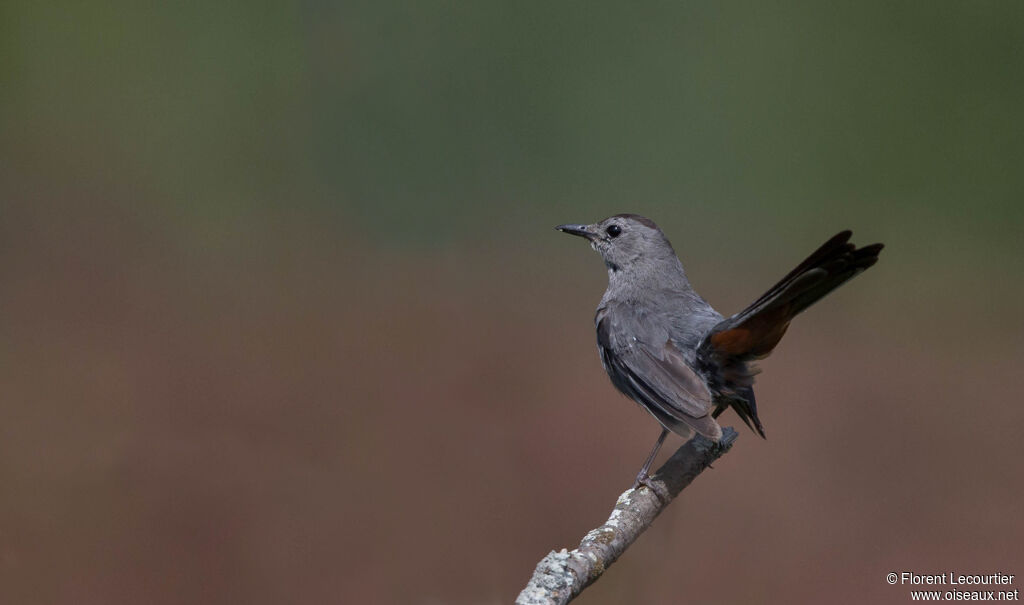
x: 642, y: 477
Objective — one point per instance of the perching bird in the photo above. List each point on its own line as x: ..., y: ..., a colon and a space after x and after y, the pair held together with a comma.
x: 667, y: 349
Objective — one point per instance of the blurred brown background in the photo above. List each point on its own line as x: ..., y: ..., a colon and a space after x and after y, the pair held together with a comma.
x: 283, y: 318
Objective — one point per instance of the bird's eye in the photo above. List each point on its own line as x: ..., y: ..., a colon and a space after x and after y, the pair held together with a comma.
x: 613, y: 230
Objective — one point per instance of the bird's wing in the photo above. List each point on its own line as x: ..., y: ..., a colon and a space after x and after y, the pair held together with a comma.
x: 658, y: 378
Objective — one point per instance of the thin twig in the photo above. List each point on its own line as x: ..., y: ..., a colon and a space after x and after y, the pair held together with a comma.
x: 560, y: 576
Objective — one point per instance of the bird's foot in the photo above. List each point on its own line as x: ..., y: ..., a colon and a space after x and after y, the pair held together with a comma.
x: 643, y: 479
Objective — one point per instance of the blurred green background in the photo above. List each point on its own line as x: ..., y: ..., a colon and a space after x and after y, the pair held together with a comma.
x: 283, y: 317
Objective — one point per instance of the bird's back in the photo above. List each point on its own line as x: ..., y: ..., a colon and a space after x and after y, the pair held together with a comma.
x: 647, y: 338
x: 659, y: 309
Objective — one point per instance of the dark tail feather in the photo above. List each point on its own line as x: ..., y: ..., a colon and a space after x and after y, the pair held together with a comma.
x: 746, y: 408
x: 754, y: 332
x: 821, y: 278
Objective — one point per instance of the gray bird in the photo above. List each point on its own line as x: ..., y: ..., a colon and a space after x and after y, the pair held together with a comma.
x: 667, y: 349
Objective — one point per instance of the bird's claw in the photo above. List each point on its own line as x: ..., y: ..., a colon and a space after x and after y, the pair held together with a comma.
x: 658, y: 490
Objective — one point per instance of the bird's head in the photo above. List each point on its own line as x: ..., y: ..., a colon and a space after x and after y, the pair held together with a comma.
x: 625, y: 241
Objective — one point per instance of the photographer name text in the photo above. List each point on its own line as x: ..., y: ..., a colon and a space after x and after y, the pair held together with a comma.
x: 953, y: 579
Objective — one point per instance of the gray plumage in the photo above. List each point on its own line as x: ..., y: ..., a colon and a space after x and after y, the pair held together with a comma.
x: 667, y: 349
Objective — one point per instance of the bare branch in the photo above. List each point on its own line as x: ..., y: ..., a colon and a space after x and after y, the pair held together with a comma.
x: 560, y: 576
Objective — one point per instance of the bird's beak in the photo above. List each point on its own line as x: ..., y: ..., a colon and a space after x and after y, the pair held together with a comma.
x: 580, y: 230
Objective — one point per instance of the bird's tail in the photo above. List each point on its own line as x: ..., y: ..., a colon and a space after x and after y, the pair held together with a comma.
x: 754, y: 332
